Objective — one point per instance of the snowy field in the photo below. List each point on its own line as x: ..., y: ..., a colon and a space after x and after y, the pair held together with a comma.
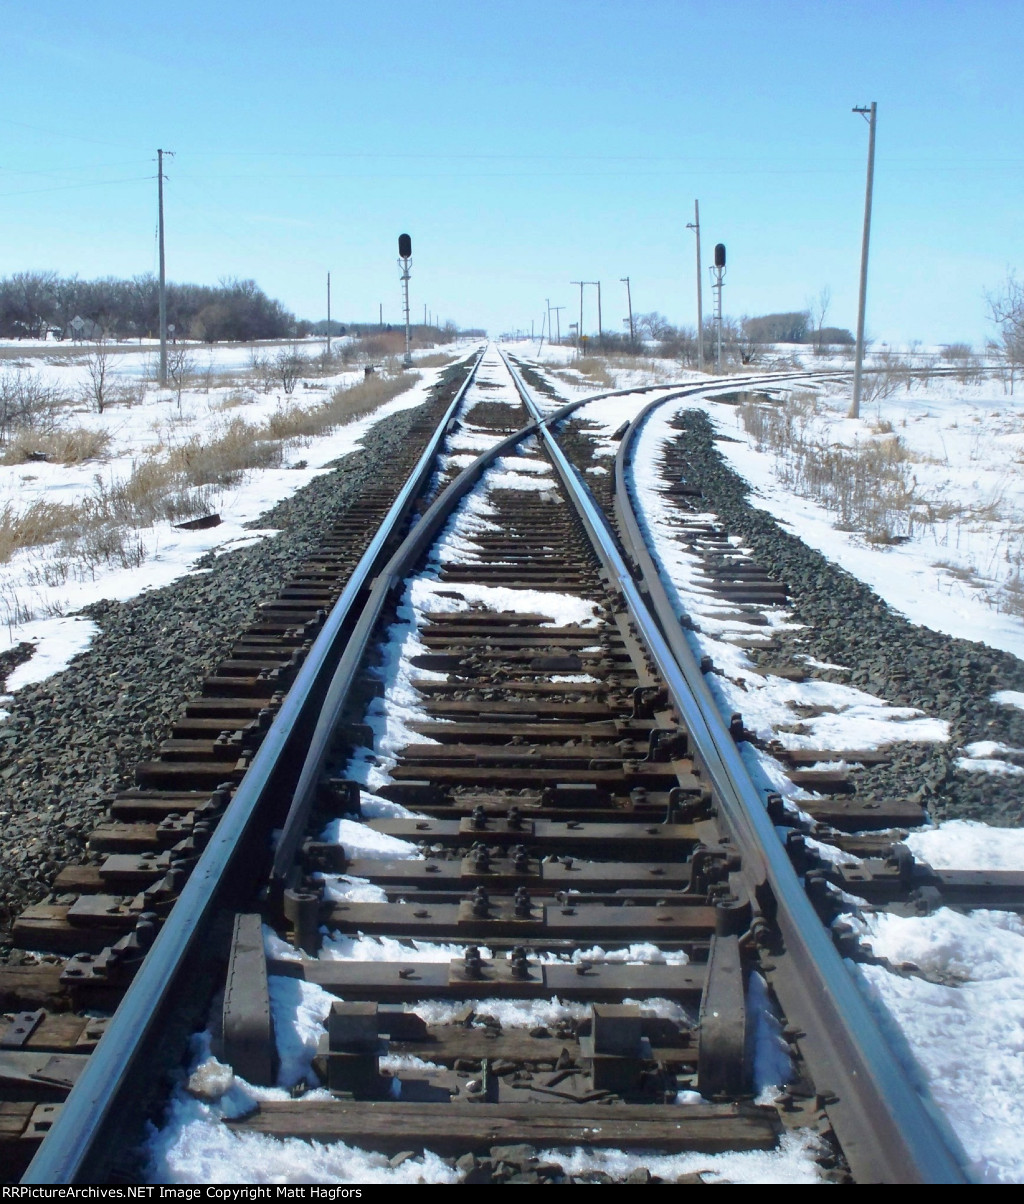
x: 42, y: 586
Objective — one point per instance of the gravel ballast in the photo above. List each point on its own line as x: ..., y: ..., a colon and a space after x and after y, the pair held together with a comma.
x: 73, y: 740
x: 847, y: 623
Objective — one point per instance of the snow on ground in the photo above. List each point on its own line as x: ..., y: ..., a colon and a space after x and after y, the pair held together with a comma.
x: 950, y: 996
x: 965, y: 445
x: 40, y: 587
x: 964, y: 844
x: 958, y: 1023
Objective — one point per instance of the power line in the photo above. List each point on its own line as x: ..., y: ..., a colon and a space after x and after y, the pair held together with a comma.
x: 70, y: 187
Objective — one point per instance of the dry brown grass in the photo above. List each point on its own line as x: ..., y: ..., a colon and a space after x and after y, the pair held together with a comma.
x: 222, y: 460
x: 591, y: 371
x: 233, y: 400
x: 378, y: 346
x: 152, y: 492
x: 180, y: 485
x: 871, y: 487
x: 71, y: 446
x: 42, y: 522
x: 595, y: 371
x: 305, y: 422
x: 437, y: 360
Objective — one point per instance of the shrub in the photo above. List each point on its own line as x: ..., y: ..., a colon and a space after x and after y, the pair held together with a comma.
x: 26, y: 403
x: 288, y: 366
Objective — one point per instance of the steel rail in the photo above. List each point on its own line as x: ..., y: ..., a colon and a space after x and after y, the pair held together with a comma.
x: 67, y: 1147
x: 390, y: 577
x: 893, y: 1134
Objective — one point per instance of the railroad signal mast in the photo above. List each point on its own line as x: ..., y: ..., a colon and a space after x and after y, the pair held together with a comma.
x: 404, y: 260
x: 579, y: 324
x: 718, y: 274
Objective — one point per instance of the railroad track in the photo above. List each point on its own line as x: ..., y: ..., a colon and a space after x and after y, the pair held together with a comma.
x: 520, y: 869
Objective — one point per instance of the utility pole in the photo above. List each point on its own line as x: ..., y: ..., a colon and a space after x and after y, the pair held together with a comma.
x: 695, y: 227
x: 556, y: 309
x: 328, y: 313
x: 600, y: 331
x: 629, y: 302
x: 162, y: 381
x: 404, y: 260
x: 547, y: 302
x: 380, y: 314
x: 579, y: 328
x: 870, y: 114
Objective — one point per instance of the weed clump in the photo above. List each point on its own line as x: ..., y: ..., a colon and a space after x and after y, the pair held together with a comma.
x: 870, y: 487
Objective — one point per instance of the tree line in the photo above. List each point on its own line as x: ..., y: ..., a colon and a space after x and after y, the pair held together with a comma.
x: 33, y: 304
x: 743, y: 339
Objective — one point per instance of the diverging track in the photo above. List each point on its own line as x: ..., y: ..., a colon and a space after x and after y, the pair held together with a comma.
x: 525, y: 887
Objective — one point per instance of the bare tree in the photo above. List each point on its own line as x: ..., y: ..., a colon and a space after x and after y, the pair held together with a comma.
x: 261, y: 370
x: 817, y: 307
x: 289, y: 365
x: 652, y: 325
x: 98, y: 369
x: 34, y: 291
x: 26, y: 403
x: 180, y: 368
x: 1006, y: 309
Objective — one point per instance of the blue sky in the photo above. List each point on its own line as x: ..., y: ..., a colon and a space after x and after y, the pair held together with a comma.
x: 524, y: 145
